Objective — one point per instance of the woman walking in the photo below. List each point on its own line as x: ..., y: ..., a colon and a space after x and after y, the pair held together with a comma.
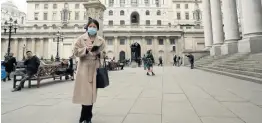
x: 149, y: 62
x: 88, y: 48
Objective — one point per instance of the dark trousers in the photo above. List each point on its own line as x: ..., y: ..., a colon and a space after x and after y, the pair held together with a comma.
x: 24, y: 78
x: 192, y: 65
x: 174, y: 64
x: 86, y: 113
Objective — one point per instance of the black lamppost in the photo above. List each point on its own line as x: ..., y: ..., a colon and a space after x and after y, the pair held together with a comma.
x: 11, y: 26
x: 24, y: 52
x: 59, y: 36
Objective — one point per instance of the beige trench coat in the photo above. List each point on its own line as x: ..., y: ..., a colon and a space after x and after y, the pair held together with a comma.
x: 85, y: 91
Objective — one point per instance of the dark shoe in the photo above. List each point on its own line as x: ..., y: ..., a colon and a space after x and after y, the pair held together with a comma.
x: 4, y: 80
x: 147, y: 74
x: 153, y: 74
x: 9, y: 79
x: 17, y: 89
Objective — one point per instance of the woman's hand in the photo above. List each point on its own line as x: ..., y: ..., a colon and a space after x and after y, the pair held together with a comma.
x: 89, y: 47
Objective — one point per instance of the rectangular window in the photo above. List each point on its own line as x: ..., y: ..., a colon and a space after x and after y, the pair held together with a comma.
x: 111, y: 3
x: 146, y: 2
x: 45, y: 16
x: 110, y: 42
x: 147, y: 22
x: 149, y: 41
x: 111, y: 23
x: 36, y: 15
x: 161, y: 41
x: 36, y: 6
x: 45, y: 6
x: 54, y: 16
x: 159, y: 22
x: 76, y: 15
x: 122, y: 42
x: 188, y: 27
x: 178, y: 16
x: 76, y: 6
x: 157, y: 3
x: 122, y: 22
x: 134, y: 3
x: 186, y: 6
x: 54, y: 6
x: 174, y: 48
x: 187, y: 16
x: 122, y: 3
x: 172, y: 41
x: 178, y: 6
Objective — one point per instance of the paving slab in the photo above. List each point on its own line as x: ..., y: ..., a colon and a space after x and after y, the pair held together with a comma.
x: 174, y: 95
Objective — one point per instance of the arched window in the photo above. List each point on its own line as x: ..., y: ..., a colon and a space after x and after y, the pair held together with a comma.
x: 122, y: 12
x: 110, y: 12
x: 147, y: 12
x: 158, y: 12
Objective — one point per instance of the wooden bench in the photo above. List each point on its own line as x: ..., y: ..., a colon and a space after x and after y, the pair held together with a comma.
x: 44, y: 72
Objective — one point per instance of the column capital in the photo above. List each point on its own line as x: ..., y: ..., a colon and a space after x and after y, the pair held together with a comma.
x: 115, y: 36
x: 155, y: 36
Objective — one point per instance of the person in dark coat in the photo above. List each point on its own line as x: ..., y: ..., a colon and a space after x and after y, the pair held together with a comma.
x: 32, y: 63
x: 191, y: 60
x: 9, y: 63
x: 149, y: 62
x: 178, y: 61
x: 174, y: 59
x: 70, y: 69
x: 160, y: 61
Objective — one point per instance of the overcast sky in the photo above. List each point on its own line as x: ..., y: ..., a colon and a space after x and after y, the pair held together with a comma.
x: 21, y: 4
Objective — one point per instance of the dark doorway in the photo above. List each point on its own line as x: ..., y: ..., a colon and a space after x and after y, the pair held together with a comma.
x: 135, y: 51
x: 122, y: 56
x: 135, y: 18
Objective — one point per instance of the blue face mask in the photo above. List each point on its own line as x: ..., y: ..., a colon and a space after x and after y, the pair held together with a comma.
x: 92, y: 31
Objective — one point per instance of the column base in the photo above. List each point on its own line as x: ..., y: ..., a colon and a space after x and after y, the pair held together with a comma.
x: 215, y: 50
x: 229, y: 48
x: 250, y: 45
x: 134, y: 64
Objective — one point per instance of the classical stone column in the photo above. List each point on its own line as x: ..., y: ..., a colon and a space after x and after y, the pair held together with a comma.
x: 116, y: 52
x: 128, y: 49
x: 143, y: 46
x: 231, y: 29
x: 41, y: 47
x: 252, y: 24
x: 50, y: 50
x: 24, y: 48
x: 217, y: 27
x: 207, y: 24
x: 15, y: 50
x: 167, y: 44
x: 155, y: 43
x: 95, y: 9
x: 33, y: 46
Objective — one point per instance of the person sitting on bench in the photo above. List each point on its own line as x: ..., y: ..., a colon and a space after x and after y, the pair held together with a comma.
x: 32, y: 63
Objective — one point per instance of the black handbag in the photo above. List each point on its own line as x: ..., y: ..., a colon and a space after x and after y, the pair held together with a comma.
x: 102, y: 79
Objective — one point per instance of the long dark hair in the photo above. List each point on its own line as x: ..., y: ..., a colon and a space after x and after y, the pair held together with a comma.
x: 91, y: 20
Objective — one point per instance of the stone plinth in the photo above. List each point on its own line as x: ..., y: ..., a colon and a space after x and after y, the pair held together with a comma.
x: 215, y: 50
x: 229, y: 48
x: 95, y: 9
x: 250, y: 44
x: 134, y: 64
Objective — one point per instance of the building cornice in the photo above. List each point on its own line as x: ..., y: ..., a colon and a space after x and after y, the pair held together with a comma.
x: 28, y: 1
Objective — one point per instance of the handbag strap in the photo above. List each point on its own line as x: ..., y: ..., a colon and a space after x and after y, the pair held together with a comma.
x: 104, y: 63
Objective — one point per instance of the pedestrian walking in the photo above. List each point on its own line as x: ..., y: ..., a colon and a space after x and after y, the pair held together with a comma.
x: 149, y: 62
x: 174, y: 60
x: 88, y: 48
x: 191, y: 60
x: 9, y: 63
x: 160, y: 61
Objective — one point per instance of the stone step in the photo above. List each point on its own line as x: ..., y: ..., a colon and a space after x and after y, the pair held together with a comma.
x: 253, y: 65
x: 246, y: 73
x: 242, y: 68
x: 239, y: 76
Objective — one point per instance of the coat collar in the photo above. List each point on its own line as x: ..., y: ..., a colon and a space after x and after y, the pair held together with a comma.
x: 97, y: 41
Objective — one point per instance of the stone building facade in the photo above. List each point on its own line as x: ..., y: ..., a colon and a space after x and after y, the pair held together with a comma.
x: 167, y: 27
x: 9, y: 10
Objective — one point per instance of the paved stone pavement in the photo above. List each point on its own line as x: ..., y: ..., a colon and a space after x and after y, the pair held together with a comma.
x: 174, y: 95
